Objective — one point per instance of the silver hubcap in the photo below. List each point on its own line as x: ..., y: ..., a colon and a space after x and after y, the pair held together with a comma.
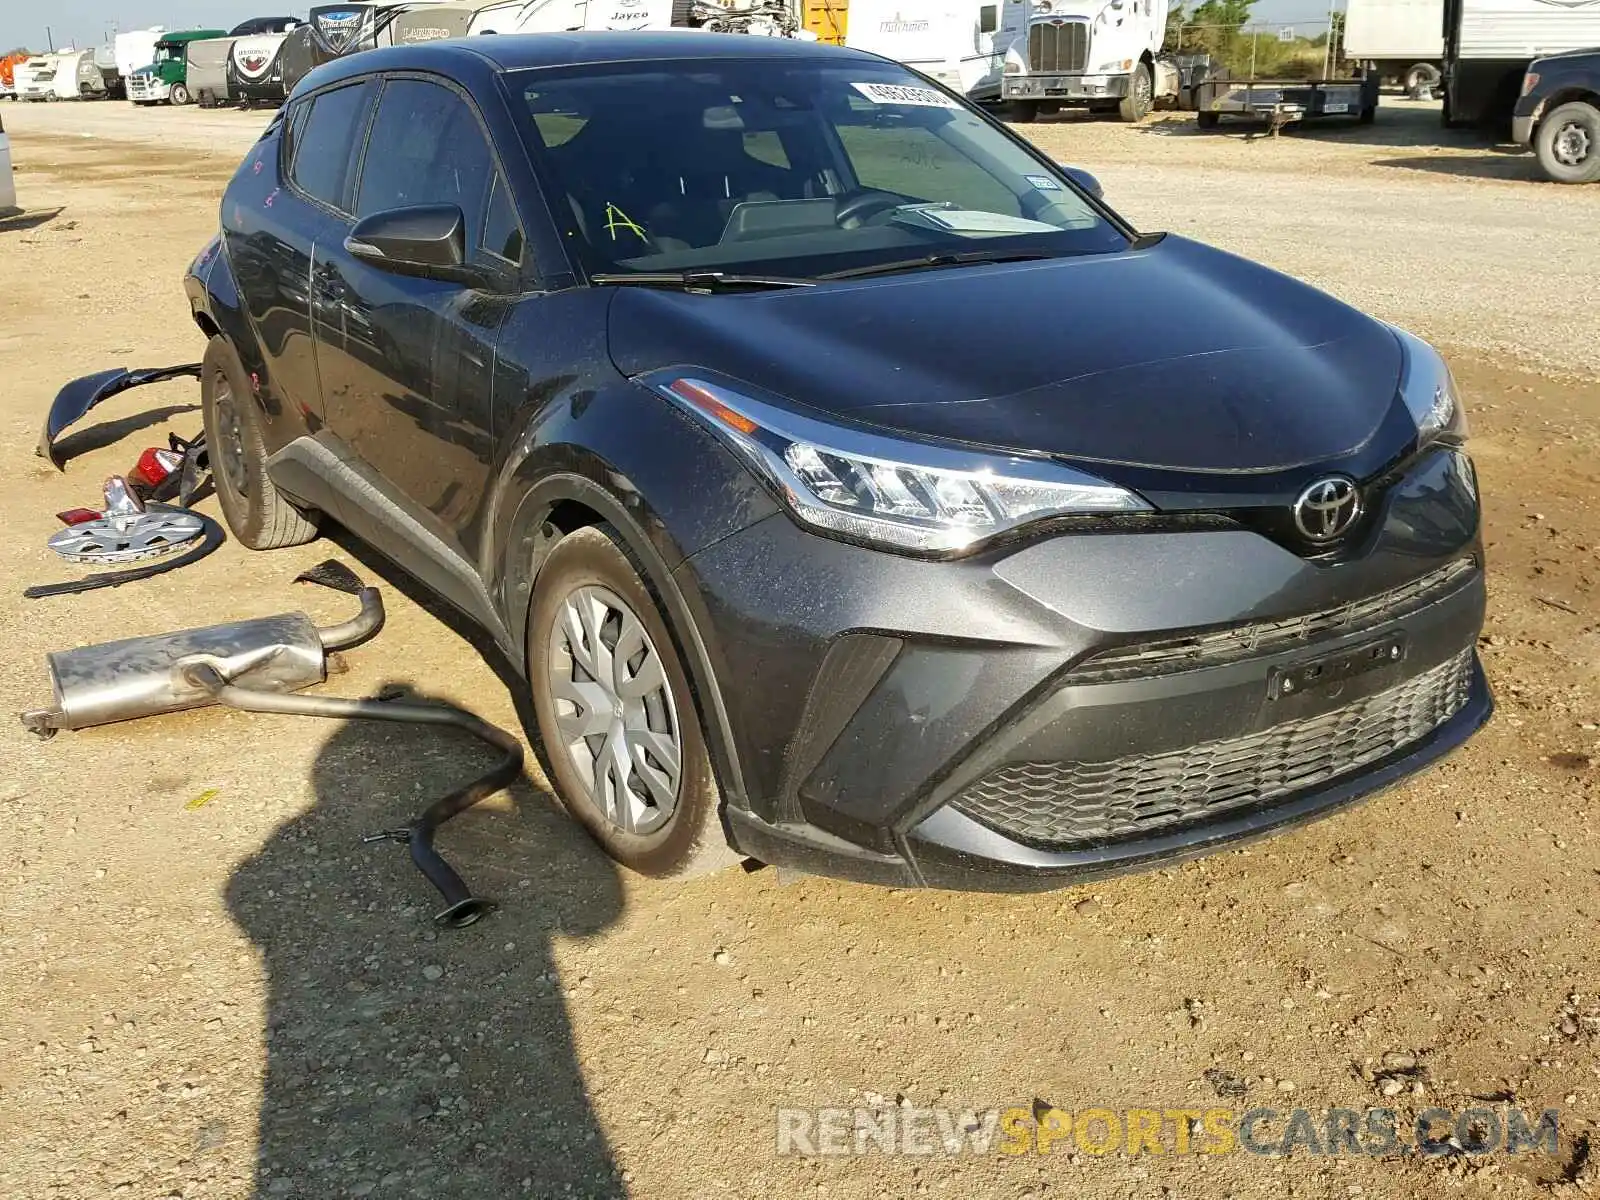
x: 1572, y: 144
x: 618, y: 723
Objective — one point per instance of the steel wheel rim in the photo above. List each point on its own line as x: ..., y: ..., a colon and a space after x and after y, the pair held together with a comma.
x: 614, y: 712
x: 230, y: 432
x: 1572, y: 144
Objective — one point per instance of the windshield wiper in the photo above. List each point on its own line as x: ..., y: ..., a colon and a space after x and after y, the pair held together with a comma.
x: 701, y: 281
x: 964, y: 258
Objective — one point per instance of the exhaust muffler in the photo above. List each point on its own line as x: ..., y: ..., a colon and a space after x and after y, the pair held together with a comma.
x: 256, y: 666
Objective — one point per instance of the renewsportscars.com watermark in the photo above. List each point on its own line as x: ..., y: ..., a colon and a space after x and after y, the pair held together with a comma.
x: 1040, y: 1129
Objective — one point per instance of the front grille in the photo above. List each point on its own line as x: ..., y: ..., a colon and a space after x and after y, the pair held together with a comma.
x: 1058, y: 804
x: 1059, y: 46
x: 1272, y: 637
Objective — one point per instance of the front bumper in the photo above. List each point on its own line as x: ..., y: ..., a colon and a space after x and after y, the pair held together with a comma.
x: 144, y: 89
x: 1064, y: 87
x: 1084, y: 704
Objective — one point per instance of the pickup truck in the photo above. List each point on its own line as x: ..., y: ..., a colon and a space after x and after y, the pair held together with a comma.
x: 1558, y: 114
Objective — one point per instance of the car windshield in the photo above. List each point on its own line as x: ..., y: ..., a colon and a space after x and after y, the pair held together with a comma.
x: 790, y: 168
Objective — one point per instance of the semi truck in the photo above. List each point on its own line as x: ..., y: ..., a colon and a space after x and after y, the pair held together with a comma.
x: 1488, y: 45
x: 1401, y: 41
x: 166, y: 80
x: 1031, y: 56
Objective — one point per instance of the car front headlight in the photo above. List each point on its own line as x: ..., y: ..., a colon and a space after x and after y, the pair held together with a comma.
x: 1429, y: 392
x: 877, y: 488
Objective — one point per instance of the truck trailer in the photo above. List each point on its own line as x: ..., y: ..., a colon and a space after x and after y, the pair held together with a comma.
x: 1401, y: 41
x: 1488, y: 45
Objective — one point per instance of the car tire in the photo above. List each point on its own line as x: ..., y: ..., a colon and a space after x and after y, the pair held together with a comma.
x: 1136, y: 105
x: 1567, y: 143
x: 257, y: 514
x: 590, y: 579
x: 178, y: 96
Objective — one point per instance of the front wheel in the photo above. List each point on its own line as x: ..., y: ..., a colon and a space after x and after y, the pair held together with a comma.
x: 1136, y: 105
x: 619, y: 730
x: 1568, y: 143
x: 1421, y: 75
x: 179, y: 96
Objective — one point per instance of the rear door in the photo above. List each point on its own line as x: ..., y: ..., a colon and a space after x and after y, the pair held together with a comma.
x: 272, y: 230
x: 407, y: 363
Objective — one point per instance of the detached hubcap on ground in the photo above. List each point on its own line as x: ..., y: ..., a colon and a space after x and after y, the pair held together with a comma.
x: 1572, y: 146
x: 618, y: 723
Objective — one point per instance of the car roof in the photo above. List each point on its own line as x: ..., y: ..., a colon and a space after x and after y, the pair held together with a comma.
x: 523, y: 51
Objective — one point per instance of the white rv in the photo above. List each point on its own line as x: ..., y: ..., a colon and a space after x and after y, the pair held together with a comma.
x: 1488, y: 44
x: 35, y: 78
x: 136, y: 48
x: 1402, y: 40
x: 961, y: 43
x: 771, y: 18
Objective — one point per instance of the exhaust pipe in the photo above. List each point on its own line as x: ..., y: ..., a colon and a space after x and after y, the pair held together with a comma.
x: 255, y: 666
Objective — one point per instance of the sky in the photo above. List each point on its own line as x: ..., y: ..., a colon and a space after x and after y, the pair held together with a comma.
x: 86, y: 23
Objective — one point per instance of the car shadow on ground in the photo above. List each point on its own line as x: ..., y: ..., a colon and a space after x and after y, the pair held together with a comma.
x: 21, y: 220
x: 403, y: 1059
x: 108, y: 433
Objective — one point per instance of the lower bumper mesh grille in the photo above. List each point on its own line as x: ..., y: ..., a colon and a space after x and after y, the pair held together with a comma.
x: 1061, y: 803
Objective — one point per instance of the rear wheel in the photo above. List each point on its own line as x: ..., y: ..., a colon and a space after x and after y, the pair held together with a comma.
x: 1136, y: 105
x: 1568, y: 143
x: 179, y: 95
x: 256, y: 513
x: 619, y: 730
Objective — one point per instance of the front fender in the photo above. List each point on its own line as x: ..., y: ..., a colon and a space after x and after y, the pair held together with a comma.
x: 665, y: 485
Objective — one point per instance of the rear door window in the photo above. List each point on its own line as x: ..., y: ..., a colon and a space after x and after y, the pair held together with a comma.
x: 325, y: 142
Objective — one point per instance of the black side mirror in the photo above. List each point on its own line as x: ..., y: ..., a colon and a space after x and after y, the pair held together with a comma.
x: 1084, y: 180
x: 429, y: 241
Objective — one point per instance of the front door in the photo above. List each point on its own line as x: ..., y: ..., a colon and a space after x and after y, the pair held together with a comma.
x: 407, y: 363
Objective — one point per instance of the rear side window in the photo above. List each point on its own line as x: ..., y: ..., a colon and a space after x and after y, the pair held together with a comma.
x: 323, y: 143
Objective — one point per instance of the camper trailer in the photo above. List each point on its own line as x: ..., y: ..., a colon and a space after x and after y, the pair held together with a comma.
x: 335, y: 30
x: 207, y: 70
x: 1488, y: 45
x: 768, y: 18
x: 961, y: 43
x: 256, y: 67
x: 1401, y: 40
x: 36, y: 78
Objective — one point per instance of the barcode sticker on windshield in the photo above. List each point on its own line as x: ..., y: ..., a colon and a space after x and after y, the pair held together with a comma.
x: 894, y: 93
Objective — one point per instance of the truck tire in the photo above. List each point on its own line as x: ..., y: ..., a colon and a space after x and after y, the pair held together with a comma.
x: 1136, y: 105
x: 179, y: 96
x: 1567, y: 143
x: 1421, y: 75
x: 258, y: 515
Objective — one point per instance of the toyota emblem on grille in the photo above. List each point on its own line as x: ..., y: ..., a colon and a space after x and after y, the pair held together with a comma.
x: 1327, y: 509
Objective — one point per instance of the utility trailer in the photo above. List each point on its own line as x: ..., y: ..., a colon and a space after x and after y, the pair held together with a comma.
x: 1281, y: 102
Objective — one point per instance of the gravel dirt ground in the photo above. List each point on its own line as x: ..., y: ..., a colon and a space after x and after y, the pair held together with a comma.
x: 210, y: 988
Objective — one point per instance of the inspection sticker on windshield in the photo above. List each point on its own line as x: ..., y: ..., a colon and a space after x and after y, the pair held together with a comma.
x: 894, y: 93
x: 1043, y: 183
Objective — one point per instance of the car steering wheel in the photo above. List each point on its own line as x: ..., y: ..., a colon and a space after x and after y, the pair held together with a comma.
x: 854, y: 211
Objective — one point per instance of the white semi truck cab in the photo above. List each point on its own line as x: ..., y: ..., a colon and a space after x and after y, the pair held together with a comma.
x: 1100, y: 54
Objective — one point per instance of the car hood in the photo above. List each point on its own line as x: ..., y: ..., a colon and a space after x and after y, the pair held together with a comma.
x: 1177, y: 357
